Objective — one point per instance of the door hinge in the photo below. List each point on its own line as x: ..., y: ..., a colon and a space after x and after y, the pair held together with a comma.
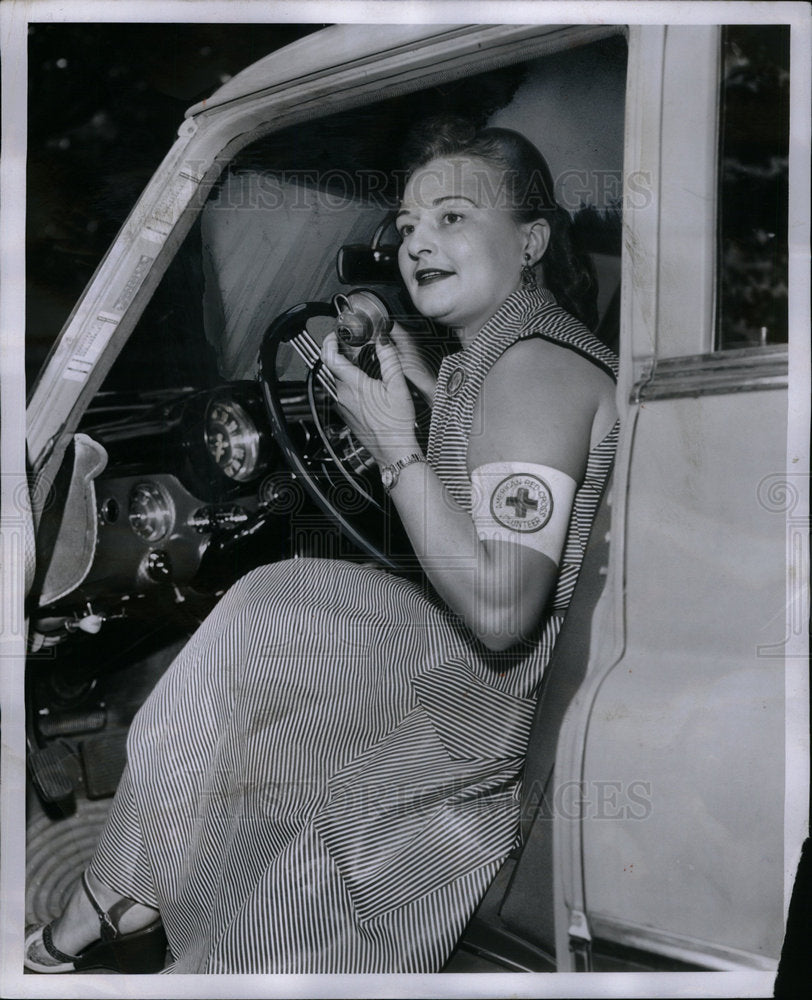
x: 580, y: 942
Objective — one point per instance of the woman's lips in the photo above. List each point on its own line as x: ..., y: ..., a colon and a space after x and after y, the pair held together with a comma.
x: 428, y: 275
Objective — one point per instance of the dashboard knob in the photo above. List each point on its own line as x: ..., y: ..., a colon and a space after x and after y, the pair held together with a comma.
x: 226, y: 517
x: 214, y: 518
x: 158, y: 566
x: 90, y: 623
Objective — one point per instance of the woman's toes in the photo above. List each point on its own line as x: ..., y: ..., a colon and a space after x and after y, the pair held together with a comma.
x: 37, y: 956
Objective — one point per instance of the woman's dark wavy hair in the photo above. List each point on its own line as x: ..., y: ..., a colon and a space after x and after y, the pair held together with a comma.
x: 529, y: 186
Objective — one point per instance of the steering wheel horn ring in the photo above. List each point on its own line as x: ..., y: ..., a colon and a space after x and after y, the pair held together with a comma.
x: 368, y: 519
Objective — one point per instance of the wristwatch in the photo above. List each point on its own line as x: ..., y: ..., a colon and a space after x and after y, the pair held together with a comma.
x: 390, y: 473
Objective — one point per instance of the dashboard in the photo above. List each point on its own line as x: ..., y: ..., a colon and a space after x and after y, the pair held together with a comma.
x: 195, y: 492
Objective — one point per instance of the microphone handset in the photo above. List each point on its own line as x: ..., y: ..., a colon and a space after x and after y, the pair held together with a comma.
x: 362, y: 318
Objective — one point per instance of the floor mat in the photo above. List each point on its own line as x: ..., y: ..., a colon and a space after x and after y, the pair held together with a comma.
x: 57, y: 854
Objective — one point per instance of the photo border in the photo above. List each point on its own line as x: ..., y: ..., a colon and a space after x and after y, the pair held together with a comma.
x: 15, y: 15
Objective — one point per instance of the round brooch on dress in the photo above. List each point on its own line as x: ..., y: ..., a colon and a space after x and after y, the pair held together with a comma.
x: 455, y: 381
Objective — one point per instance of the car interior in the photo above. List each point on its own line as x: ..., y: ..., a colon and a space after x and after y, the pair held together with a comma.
x: 213, y: 446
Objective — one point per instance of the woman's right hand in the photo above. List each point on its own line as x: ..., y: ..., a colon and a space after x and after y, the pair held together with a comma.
x: 415, y: 368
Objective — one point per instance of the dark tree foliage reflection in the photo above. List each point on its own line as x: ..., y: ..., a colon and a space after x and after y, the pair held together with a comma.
x: 104, y: 105
x: 754, y: 186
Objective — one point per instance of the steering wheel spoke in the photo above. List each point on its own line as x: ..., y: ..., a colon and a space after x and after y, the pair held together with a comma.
x: 337, y: 472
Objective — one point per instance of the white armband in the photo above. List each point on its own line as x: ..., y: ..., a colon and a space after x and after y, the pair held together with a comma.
x: 523, y: 503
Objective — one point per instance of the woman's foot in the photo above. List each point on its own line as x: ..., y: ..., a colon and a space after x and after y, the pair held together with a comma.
x: 79, y: 925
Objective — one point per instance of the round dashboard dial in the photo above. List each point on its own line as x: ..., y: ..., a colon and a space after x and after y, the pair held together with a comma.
x: 149, y: 511
x: 232, y: 439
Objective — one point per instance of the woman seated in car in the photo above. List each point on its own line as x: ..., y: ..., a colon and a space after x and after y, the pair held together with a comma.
x: 325, y: 780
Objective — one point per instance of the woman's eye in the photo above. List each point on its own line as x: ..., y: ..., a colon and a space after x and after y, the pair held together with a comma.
x: 405, y: 231
x: 451, y: 217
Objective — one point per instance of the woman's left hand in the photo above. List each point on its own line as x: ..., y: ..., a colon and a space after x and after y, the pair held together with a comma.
x: 379, y: 412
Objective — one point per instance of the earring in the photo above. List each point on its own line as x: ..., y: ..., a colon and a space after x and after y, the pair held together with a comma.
x: 528, y: 274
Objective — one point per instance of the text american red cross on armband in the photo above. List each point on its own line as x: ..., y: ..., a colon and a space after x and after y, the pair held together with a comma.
x: 522, y: 502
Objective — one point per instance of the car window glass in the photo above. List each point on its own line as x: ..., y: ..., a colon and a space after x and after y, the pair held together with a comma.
x: 753, y: 186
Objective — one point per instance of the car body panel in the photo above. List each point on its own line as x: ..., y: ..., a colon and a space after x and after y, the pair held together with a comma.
x: 341, y: 47
x: 691, y: 717
x: 344, y: 53
x: 678, y: 734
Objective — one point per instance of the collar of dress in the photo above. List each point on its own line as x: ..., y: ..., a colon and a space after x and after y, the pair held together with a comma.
x: 508, y: 321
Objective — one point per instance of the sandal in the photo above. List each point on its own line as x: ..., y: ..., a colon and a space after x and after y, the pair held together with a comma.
x: 141, y: 951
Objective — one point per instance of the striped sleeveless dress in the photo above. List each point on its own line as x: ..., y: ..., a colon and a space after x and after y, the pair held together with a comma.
x: 326, y: 778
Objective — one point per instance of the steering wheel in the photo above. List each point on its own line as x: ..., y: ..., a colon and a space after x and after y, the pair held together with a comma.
x: 339, y: 475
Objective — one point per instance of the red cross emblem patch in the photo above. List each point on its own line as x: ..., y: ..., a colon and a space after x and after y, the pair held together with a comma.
x: 522, y: 503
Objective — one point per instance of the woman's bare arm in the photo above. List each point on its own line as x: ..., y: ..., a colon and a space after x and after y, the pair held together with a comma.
x: 538, y: 406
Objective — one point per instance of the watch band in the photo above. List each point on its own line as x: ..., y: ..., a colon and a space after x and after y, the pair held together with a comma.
x: 391, y: 473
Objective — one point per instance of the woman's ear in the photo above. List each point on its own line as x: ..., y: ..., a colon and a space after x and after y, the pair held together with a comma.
x: 537, y: 238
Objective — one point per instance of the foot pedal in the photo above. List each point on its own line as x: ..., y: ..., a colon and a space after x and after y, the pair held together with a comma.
x: 103, y: 759
x: 53, y: 771
x: 72, y: 723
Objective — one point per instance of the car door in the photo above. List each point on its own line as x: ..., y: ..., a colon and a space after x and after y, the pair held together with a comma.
x: 670, y: 827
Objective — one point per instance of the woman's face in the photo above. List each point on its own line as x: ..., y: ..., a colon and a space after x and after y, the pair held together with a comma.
x: 462, y: 251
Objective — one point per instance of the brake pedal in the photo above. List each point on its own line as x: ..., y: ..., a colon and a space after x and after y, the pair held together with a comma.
x: 103, y: 759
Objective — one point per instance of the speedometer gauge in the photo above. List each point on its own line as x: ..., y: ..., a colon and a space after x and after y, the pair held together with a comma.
x: 232, y: 439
